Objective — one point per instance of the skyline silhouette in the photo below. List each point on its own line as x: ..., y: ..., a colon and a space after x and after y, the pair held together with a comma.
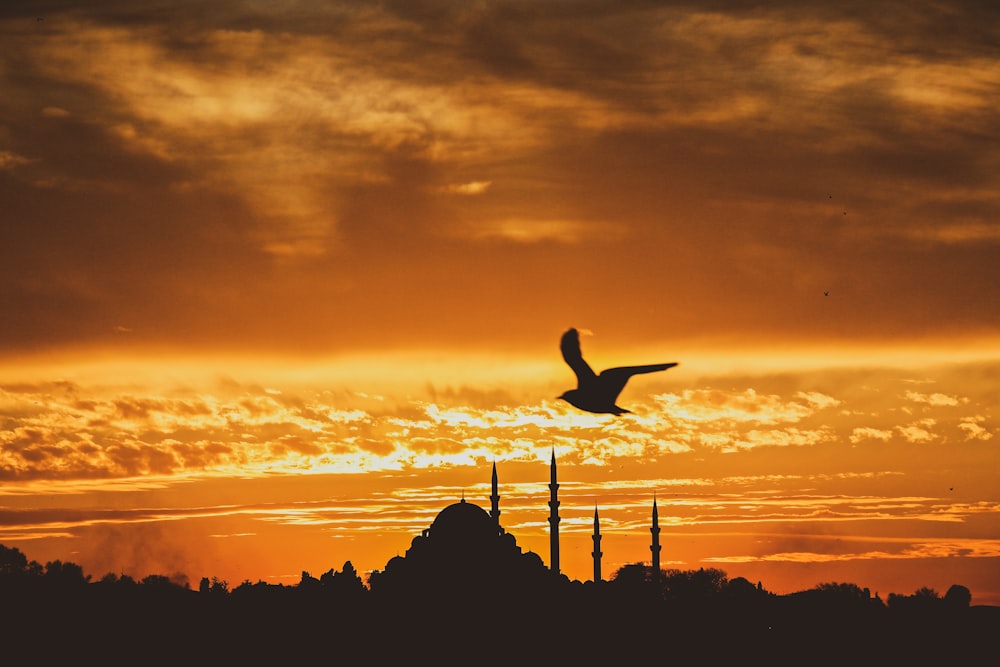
x: 463, y: 579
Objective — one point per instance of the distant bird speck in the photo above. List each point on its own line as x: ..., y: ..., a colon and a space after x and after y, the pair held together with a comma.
x: 598, y: 393
x: 826, y: 294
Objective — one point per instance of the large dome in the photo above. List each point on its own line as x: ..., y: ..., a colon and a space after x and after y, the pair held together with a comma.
x: 464, y: 522
x: 464, y: 554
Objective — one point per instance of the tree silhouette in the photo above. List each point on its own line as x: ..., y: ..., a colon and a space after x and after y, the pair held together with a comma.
x: 58, y: 573
x: 346, y: 583
x: 12, y: 562
x: 692, y: 585
x: 214, y: 586
x: 958, y: 597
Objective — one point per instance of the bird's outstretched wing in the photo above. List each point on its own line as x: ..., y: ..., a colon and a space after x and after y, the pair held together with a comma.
x: 569, y: 344
x: 613, y: 380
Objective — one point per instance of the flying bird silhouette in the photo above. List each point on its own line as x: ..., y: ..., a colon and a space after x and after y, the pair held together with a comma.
x: 598, y: 393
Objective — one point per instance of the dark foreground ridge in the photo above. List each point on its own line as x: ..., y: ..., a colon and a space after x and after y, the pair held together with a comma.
x: 466, y: 593
x: 453, y: 600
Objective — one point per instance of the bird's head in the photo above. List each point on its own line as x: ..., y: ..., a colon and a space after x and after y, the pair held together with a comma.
x: 571, y: 396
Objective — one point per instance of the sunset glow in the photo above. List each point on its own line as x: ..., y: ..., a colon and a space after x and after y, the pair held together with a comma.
x: 280, y: 283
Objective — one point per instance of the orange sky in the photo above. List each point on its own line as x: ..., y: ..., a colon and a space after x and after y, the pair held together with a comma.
x: 280, y: 282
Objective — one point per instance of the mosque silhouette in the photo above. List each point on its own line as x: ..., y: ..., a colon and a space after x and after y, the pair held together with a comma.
x: 467, y: 550
x: 465, y: 592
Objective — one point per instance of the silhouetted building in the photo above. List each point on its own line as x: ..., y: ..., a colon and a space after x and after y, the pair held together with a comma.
x: 495, y: 500
x: 654, y: 548
x: 553, y: 518
x: 596, y: 553
x: 461, y: 555
x: 466, y: 549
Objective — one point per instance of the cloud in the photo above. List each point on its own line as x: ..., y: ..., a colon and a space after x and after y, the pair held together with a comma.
x: 918, y: 431
x: 818, y: 399
x: 936, y: 399
x: 470, y: 188
x: 10, y: 160
x: 862, y: 433
x: 737, y: 407
x: 533, y: 231
x: 783, y: 438
x: 970, y: 548
x: 974, y: 429
x: 958, y: 232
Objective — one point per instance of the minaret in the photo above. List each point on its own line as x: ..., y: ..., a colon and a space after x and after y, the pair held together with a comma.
x: 655, y: 546
x: 495, y: 499
x: 597, y: 548
x: 554, y: 518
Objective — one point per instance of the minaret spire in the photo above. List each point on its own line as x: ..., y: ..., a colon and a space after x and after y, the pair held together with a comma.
x: 553, y: 517
x: 597, y: 553
x: 655, y: 546
x: 495, y: 499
